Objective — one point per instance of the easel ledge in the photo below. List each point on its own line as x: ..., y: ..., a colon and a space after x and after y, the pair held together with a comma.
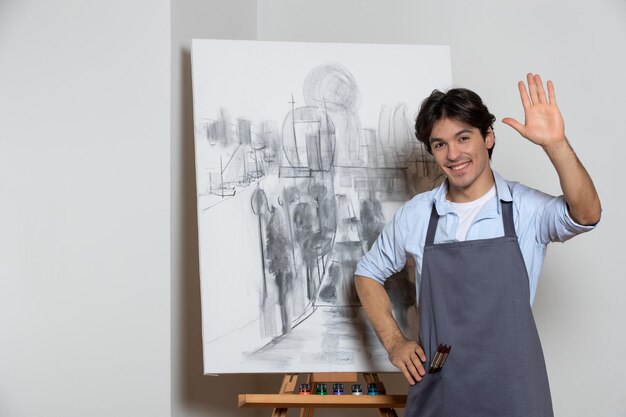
x: 289, y: 398
x: 321, y: 401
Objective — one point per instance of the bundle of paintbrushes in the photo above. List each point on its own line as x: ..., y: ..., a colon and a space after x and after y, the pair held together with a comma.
x: 440, y: 358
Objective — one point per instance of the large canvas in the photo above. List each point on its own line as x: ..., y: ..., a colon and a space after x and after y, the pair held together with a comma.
x: 303, y: 152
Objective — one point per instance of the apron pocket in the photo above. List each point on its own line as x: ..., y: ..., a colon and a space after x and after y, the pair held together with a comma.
x: 425, y: 398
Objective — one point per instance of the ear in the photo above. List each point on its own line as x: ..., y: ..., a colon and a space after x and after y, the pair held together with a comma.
x: 490, y: 139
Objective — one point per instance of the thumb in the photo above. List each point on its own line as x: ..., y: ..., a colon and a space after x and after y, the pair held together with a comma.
x: 514, y: 124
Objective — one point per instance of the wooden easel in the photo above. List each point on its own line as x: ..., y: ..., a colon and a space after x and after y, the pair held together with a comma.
x: 288, y: 397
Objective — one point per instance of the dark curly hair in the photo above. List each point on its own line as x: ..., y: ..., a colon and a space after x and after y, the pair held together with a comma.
x: 458, y: 103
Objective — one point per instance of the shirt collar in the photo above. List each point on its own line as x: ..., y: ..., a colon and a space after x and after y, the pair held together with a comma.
x: 503, y: 193
x: 502, y: 188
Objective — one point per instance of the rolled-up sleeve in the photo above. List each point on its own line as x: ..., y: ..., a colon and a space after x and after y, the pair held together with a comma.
x: 387, y: 255
x: 553, y: 220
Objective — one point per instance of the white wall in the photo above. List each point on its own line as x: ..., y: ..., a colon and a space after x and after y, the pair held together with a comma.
x: 84, y: 212
x: 580, y: 306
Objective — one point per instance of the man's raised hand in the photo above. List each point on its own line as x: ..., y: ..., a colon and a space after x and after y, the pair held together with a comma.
x: 543, y: 123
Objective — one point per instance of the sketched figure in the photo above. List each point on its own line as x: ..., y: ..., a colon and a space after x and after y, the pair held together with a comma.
x: 314, y: 234
x: 372, y: 221
x: 261, y: 208
x: 280, y: 263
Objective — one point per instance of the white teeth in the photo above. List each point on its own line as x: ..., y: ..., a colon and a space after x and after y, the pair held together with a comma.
x: 458, y: 167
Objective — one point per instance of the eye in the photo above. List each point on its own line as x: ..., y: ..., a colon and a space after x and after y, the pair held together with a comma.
x: 437, y: 145
x: 464, y: 138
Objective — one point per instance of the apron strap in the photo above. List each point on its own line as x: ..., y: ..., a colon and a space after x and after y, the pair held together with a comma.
x: 507, y: 222
x: 432, y: 226
x: 507, y: 218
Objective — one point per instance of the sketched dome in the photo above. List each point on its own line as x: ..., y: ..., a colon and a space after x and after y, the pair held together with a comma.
x: 330, y: 86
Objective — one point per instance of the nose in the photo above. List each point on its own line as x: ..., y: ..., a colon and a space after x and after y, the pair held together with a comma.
x: 453, y: 151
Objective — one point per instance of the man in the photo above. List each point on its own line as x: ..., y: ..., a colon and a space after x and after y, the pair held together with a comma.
x: 478, y: 243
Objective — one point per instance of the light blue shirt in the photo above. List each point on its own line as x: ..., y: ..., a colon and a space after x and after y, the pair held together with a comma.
x: 539, y: 219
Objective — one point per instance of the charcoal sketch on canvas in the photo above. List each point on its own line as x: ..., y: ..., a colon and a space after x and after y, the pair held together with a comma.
x: 289, y: 201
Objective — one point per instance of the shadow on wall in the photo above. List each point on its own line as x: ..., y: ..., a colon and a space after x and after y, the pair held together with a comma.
x: 192, y: 392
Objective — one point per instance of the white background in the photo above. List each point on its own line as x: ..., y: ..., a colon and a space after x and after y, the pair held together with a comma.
x: 85, y: 160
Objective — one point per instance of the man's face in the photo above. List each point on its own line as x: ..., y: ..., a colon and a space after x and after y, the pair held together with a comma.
x: 462, y: 155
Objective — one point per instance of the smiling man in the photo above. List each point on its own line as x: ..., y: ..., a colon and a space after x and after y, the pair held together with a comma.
x: 478, y: 242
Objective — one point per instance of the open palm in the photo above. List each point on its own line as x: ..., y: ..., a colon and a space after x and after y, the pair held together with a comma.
x: 544, y: 124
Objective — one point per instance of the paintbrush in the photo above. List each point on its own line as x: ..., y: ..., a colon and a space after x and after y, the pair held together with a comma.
x: 444, y: 357
x: 435, y: 363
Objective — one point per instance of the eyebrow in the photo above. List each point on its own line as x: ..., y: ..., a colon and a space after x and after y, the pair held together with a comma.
x: 460, y: 132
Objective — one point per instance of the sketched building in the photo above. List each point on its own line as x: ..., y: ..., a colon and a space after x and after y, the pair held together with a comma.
x: 308, y: 139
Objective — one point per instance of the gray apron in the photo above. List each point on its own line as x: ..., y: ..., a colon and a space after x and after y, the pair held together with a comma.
x: 474, y: 296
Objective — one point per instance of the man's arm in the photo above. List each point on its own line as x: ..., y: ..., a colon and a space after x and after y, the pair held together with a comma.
x: 405, y: 354
x: 544, y: 126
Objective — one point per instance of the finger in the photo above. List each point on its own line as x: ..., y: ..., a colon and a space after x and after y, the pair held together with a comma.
x: 418, y: 365
x: 414, y: 371
x: 514, y: 124
x: 551, y: 94
x: 420, y: 369
x: 532, y: 88
x: 524, y: 95
x: 420, y: 353
x: 541, y: 93
x: 407, y: 375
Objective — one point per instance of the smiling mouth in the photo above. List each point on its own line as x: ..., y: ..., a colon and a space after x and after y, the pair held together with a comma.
x: 459, y: 167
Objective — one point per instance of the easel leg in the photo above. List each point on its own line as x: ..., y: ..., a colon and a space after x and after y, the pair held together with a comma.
x: 289, y: 384
x: 279, y: 412
x: 371, y: 378
x: 287, y: 387
x: 308, y: 412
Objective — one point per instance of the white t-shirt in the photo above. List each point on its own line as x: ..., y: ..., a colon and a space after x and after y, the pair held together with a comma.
x: 467, y: 212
